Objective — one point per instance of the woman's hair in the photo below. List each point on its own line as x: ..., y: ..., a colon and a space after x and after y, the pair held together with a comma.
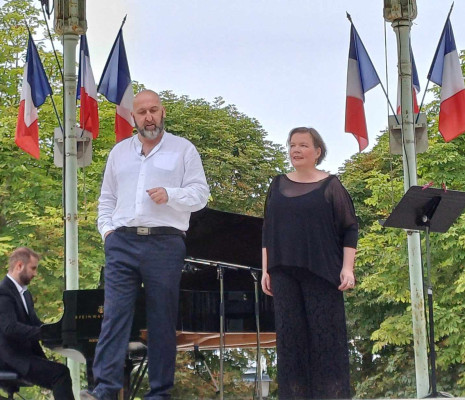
x: 317, y: 140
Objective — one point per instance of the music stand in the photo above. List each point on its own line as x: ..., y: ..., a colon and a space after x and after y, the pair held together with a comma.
x: 430, y: 210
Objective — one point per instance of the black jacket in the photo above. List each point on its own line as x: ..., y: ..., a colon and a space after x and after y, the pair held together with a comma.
x: 19, y: 331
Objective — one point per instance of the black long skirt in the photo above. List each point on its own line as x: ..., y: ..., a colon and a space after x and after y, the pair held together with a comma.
x: 312, y: 348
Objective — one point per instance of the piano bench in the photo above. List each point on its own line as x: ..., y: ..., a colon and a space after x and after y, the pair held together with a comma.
x: 136, y: 350
x: 10, y: 382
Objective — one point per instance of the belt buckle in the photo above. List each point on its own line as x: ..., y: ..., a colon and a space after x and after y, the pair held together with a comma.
x: 143, y: 230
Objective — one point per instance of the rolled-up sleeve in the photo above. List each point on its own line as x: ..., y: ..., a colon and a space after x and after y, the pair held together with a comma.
x: 194, y: 191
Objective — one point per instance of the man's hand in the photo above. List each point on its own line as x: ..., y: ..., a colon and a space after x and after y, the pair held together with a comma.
x: 158, y: 195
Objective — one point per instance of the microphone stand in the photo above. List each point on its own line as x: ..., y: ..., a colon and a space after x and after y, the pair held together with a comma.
x: 257, y: 323
x: 220, y: 276
x: 425, y: 220
x: 434, y: 392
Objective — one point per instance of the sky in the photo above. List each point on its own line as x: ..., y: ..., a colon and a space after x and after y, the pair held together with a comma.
x: 283, y: 62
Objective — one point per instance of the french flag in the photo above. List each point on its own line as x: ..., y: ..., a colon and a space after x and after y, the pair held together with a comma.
x: 361, y: 77
x: 116, y: 86
x: 87, y: 91
x: 35, y: 90
x: 415, y: 87
x: 445, y: 71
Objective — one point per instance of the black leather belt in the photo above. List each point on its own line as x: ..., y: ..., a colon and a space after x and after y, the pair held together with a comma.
x: 158, y: 230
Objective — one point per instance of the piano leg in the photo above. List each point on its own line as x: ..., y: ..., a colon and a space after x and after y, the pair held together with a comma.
x: 198, y: 356
x: 125, y: 392
x: 138, y: 377
x: 90, y: 373
x: 129, y: 388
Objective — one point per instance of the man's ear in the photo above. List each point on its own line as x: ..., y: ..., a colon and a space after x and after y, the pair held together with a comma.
x: 19, y: 266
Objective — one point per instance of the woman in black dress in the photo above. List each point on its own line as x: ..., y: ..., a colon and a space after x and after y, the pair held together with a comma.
x: 310, y: 236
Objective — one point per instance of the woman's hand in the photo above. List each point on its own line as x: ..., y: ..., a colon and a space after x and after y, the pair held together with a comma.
x: 266, y: 280
x: 347, y: 279
x: 266, y: 284
x: 347, y: 272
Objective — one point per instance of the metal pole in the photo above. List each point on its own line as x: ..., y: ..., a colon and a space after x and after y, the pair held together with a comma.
x: 257, y: 323
x: 402, y: 30
x: 222, y: 322
x: 70, y: 149
x: 434, y: 391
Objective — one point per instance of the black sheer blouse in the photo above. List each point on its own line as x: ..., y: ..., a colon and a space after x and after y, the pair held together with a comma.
x: 307, y: 225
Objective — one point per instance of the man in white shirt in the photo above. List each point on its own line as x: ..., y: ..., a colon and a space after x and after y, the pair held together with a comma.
x: 20, y: 350
x: 152, y: 183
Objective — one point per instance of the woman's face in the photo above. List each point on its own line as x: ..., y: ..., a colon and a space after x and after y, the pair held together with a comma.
x: 302, y: 150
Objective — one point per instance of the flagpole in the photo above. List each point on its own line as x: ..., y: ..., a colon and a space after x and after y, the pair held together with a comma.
x: 70, y: 24
x: 70, y: 170
x: 401, y: 25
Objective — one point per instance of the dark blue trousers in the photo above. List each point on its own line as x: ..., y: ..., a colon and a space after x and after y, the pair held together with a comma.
x: 131, y: 259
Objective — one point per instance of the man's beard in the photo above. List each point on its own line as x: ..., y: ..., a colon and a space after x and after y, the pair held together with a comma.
x: 151, y: 135
x: 24, y: 278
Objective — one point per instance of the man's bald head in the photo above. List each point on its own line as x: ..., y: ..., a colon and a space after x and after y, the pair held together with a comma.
x: 146, y: 94
x: 149, y: 115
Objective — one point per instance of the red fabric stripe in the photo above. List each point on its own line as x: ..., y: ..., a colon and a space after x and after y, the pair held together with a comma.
x: 89, y: 113
x: 27, y: 138
x: 452, y: 116
x: 123, y: 128
x: 356, y: 122
x: 415, y: 102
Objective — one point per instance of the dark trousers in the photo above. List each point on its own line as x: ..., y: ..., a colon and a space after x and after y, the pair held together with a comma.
x: 311, y: 338
x: 156, y: 261
x: 51, y: 375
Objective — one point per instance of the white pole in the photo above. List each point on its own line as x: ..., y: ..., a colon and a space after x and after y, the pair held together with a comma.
x: 402, y: 30
x: 70, y: 186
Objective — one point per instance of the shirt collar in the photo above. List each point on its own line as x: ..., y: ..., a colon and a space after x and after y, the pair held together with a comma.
x: 138, y: 143
x: 21, y: 289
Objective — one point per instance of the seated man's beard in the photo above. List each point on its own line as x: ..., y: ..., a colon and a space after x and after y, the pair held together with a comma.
x: 152, y: 134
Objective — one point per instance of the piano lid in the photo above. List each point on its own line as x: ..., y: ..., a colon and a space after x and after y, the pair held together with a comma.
x: 225, y: 237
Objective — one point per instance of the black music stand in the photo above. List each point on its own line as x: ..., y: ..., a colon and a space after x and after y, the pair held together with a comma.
x: 430, y: 210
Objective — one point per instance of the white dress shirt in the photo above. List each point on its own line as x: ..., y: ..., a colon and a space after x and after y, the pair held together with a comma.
x: 21, y: 290
x: 173, y: 164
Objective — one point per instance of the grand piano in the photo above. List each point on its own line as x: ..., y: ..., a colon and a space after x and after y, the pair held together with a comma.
x: 218, y: 244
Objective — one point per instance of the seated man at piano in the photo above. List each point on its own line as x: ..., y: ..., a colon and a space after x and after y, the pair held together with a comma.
x: 20, y: 329
x: 152, y: 183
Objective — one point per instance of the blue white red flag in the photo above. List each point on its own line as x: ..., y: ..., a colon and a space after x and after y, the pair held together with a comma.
x: 116, y: 86
x: 415, y: 87
x: 361, y: 77
x: 87, y: 91
x: 446, y: 72
x: 35, y: 90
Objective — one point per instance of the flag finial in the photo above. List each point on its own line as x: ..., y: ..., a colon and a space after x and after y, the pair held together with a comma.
x: 124, y: 21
